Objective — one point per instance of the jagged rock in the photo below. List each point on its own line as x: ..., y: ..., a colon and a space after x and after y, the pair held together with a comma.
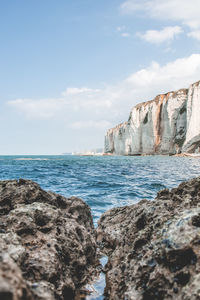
x: 169, y: 124
x: 47, y: 243
x: 153, y: 247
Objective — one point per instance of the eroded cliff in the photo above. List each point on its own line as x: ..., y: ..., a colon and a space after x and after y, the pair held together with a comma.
x: 169, y: 124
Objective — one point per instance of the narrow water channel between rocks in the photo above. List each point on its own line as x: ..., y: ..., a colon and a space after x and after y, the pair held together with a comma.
x: 102, y: 182
x: 96, y: 289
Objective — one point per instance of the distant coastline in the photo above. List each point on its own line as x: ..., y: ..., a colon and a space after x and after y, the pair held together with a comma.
x: 167, y: 125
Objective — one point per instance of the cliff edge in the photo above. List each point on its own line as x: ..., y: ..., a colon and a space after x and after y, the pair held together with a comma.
x: 169, y: 124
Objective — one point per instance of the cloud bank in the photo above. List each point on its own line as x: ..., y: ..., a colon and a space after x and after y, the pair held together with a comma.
x: 85, y: 107
x: 182, y: 11
x: 160, y: 36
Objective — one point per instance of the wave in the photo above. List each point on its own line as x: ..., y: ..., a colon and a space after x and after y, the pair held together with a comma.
x: 29, y: 158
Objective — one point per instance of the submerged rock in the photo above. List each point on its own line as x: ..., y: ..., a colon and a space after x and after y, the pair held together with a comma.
x: 47, y: 243
x: 153, y: 247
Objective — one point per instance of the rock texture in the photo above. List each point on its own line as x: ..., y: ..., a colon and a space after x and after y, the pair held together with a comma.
x: 169, y: 124
x: 47, y: 243
x: 153, y: 247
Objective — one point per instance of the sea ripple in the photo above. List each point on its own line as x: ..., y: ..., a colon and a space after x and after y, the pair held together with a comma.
x: 103, y: 182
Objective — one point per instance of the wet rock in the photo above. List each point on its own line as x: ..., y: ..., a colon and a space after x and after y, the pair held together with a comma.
x: 12, y: 284
x: 47, y: 243
x: 153, y: 247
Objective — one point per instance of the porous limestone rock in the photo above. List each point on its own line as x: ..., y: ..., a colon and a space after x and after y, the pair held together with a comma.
x: 47, y: 243
x: 153, y: 247
x: 169, y: 124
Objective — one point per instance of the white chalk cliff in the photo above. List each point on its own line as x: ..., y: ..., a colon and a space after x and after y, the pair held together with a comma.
x: 168, y: 124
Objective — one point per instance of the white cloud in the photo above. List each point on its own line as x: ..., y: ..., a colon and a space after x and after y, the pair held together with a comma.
x: 184, y: 11
x: 76, y: 91
x: 120, y: 28
x: 160, y: 36
x: 177, y: 73
x: 39, y: 109
x: 125, y: 34
x: 102, y: 108
x: 195, y: 34
x: 177, y: 10
x: 91, y: 124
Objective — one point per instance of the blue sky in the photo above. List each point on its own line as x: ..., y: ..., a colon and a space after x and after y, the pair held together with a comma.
x: 72, y: 69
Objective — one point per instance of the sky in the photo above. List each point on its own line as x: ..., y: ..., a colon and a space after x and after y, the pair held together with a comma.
x: 70, y: 70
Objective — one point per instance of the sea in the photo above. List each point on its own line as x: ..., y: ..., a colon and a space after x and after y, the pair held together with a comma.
x: 103, y: 182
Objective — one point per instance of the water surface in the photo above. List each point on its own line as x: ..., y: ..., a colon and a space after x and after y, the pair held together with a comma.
x: 103, y: 182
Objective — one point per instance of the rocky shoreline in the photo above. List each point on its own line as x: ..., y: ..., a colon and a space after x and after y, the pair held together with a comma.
x: 154, y: 246
x: 47, y: 243
x: 49, y: 246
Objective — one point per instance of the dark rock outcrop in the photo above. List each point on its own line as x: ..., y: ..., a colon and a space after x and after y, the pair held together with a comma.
x: 47, y: 243
x: 153, y: 247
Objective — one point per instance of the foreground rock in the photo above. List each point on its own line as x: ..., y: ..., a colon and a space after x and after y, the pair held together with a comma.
x: 47, y: 243
x: 154, y: 246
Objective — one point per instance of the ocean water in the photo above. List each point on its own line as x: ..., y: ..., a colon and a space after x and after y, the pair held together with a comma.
x: 102, y: 182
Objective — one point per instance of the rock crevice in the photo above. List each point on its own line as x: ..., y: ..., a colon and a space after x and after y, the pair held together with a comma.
x: 48, y: 245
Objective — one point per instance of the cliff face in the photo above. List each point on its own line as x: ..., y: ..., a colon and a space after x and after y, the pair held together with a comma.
x: 168, y: 124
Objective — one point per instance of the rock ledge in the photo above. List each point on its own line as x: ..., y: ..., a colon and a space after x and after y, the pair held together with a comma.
x: 153, y: 247
x: 47, y: 243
